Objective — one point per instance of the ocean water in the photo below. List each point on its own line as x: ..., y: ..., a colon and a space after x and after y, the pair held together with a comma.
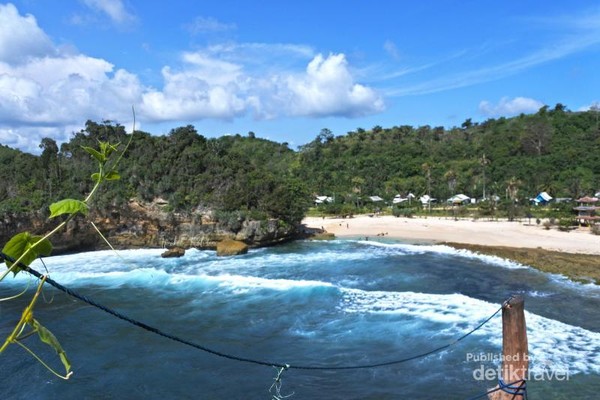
x: 320, y: 304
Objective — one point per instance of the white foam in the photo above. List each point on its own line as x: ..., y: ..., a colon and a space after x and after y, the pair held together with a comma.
x: 553, y: 345
x: 251, y: 282
x: 196, y: 261
x: 153, y: 277
x: 447, y: 250
x: 97, y: 261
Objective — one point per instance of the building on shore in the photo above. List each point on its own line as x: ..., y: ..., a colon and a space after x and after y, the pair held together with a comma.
x: 588, y: 210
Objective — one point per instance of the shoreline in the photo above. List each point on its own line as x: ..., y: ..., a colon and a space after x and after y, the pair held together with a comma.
x: 469, y: 232
x: 574, y: 254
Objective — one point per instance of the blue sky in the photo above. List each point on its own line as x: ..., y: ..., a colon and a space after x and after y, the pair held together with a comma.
x: 287, y: 69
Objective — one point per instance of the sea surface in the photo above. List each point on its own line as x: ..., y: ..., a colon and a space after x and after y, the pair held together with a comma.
x: 340, y: 303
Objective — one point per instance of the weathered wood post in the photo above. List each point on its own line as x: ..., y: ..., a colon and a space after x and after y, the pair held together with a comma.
x: 515, y: 356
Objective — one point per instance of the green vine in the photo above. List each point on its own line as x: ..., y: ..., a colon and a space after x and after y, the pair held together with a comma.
x: 24, y: 248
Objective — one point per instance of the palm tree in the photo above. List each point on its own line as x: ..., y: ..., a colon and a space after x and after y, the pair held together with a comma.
x: 451, y: 177
x: 512, y: 188
x: 484, y: 161
x: 427, y: 169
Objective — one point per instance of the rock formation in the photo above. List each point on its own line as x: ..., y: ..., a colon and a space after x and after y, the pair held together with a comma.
x: 147, y: 225
x: 230, y: 247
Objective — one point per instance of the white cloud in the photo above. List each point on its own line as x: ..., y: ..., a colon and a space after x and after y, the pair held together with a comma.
x: 64, y: 90
x: 29, y: 138
x: 45, y: 92
x: 249, y: 53
x: 188, y: 95
x: 208, y: 25
x: 328, y: 88
x: 509, y: 107
x: 391, y: 48
x: 208, y: 87
x: 595, y: 105
x: 114, y: 9
x: 52, y: 93
x: 209, y: 69
x: 20, y: 37
x: 583, y: 34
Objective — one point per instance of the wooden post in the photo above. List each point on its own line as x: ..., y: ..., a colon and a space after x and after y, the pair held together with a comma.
x: 515, y: 356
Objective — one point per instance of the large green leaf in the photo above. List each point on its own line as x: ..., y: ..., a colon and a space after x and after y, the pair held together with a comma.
x: 100, y: 157
x: 68, y: 206
x: 28, y: 245
x: 48, y: 337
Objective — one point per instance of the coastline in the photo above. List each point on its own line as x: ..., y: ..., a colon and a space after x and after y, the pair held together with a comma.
x: 575, y: 254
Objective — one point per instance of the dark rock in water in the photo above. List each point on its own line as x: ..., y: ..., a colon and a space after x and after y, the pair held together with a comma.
x: 323, y: 236
x: 230, y: 247
x: 173, y: 252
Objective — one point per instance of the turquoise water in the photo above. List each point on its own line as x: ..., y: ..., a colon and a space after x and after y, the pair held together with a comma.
x: 337, y: 303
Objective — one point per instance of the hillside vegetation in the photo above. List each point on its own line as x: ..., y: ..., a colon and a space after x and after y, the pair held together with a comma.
x: 193, y: 173
x: 554, y: 150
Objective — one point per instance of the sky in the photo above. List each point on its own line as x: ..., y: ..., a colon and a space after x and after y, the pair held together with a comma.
x: 285, y: 70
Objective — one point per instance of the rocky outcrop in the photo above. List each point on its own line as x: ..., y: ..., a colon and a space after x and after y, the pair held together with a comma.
x: 323, y: 236
x: 173, y: 252
x: 148, y: 225
x: 230, y: 247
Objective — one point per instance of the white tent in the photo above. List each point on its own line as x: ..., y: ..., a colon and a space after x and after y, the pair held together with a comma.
x: 399, y: 199
x: 375, y: 199
x: 426, y: 199
x: 459, y: 199
x: 323, y: 199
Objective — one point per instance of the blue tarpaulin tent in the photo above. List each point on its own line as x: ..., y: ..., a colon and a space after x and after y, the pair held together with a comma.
x: 542, y: 198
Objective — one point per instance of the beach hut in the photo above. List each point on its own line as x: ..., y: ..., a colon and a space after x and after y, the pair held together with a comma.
x: 587, y: 210
x: 459, y: 199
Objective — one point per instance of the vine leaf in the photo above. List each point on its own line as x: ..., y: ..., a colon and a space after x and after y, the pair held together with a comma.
x: 100, y: 157
x: 48, y: 337
x: 106, y: 148
x: 26, y: 247
x: 112, y: 176
x: 68, y: 206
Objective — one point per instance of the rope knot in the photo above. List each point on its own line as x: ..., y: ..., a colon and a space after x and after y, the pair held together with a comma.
x: 276, y: 386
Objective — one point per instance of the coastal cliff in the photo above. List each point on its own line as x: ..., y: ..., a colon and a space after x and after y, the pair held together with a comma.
x: 149, y: 225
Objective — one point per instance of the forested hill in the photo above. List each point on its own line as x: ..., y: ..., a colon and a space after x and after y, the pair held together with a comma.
x: 191, y: 172
x: 554, y: 150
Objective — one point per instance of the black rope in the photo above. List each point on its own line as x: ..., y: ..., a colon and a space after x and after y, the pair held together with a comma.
x: 510, y: 388
x: 522, y: 390
x: 186, y: 342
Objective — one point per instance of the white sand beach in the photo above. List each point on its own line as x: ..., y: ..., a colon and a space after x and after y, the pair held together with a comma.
x: 480, y: 232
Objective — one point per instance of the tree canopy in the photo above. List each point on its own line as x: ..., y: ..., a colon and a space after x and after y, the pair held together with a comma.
x: 553, y: 150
